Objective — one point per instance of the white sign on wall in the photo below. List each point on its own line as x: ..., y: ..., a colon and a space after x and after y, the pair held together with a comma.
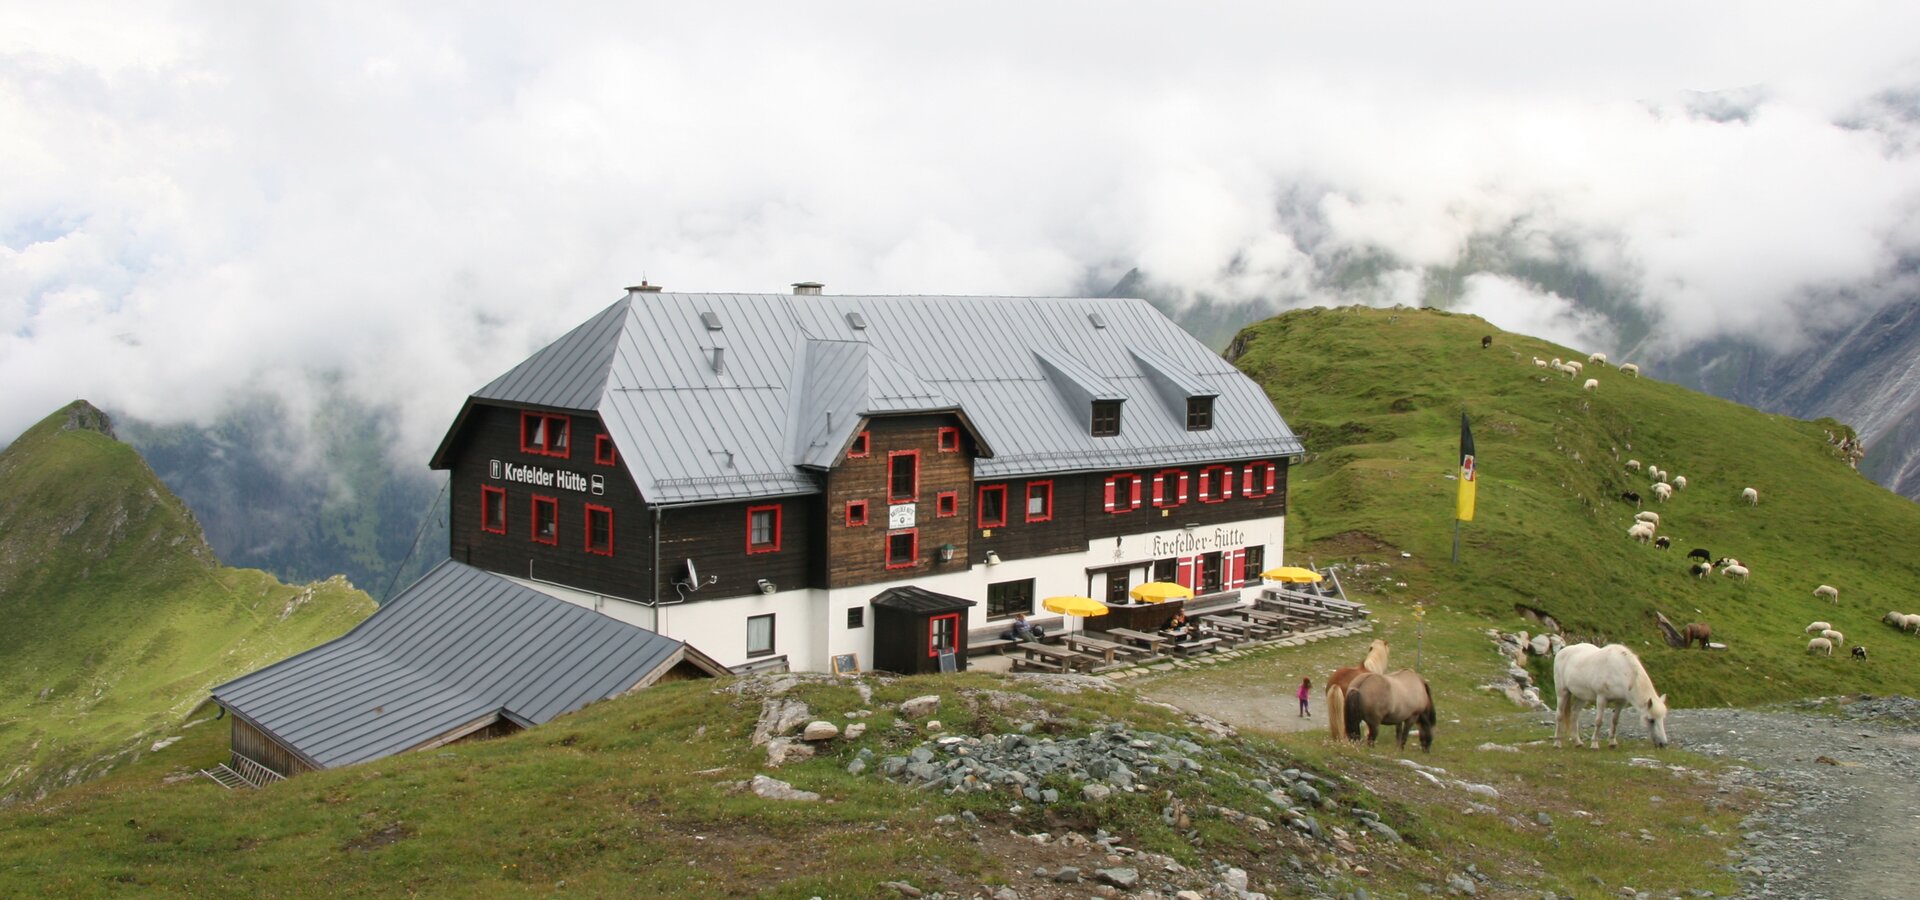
x: 537, y: 476
x: 900, y: 515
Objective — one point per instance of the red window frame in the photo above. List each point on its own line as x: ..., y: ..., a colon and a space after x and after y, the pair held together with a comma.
x: 913, y: 557
x: 1113, y: 499
x: 909, y: 498
x: 547, y: 445
x: 1260, y: 479
x: 487, y: 494
x: 1168, y: 499
x: 949, y: 439
x: 603, y: 453
x: 1046, y: 516
x: 773, y: 547
x: 946, y: 504
x: 1216, y: 484
x: 985, y: 489
x: 933, y: 633
x: 862, y: 446
x: 553, y: 514
x: 588, y: 544
x: 856, y: 513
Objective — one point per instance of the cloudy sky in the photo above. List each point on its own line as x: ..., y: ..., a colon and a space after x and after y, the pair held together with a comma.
x: 207, y: 198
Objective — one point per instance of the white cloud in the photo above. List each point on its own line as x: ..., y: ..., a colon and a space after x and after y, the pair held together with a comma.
x: 203, y: 200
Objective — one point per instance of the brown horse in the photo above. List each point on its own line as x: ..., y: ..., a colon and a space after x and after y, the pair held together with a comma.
x: 1338, y: 682
x: 1401, y: 699
x: 1696, y: 631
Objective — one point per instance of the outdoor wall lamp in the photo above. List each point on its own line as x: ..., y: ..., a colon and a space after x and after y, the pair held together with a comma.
x: 946, y: 553
x: 993, y: 559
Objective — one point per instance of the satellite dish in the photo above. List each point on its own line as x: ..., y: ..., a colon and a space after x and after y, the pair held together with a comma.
x: 693, y: 574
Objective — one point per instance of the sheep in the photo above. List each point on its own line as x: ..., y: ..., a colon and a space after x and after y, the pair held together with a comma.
x: 1736, y: 570
x: 1725, y: 561
x: 1630, y: 369
x: 1663, y: 542
x: 1661, y: 491
x: 1647, y: 516
x: 1539, y: 362
x: 1633, y: 465
x: 1751, y: 496
x: 1820, y: 645
x: 1593, y: 384
x: 1632, y: 497
x: 1838, y: 639
x: 1702, y: 569
x: 1486, y: 342
x: 1699, y: 553
x: 1576, y: 365
x: 1859, y: 653
x: 1566, y: 370
x: 1641, y: 531
x: 1828, y: 593
x: 1902, y: 621
x: 1817, y: 627
x: 1599, y: 359
x: 1680, y: 481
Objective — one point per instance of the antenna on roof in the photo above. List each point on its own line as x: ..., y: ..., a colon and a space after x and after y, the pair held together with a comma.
x: 643, y: 288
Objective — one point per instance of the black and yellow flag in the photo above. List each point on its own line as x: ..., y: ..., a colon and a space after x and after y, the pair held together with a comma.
x: 1463, y: 508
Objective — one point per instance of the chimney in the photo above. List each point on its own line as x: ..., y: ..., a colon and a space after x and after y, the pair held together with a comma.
x: 807, y: 287
x: 643, y: 288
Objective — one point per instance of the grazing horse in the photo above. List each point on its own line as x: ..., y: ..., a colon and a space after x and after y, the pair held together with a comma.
x: 1338, y: 682
x: 1401, y: 699
x: 1696, y: 631
x: 1583, y: 673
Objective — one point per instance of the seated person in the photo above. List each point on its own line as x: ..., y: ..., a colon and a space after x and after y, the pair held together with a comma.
x: 1023, y: 630
x: 1178, y: 623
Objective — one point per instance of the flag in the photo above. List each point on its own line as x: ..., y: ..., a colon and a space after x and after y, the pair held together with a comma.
x: 1463, y: 508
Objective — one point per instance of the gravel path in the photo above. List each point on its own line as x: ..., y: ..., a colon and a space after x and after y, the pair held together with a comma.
x: 1845, y: 821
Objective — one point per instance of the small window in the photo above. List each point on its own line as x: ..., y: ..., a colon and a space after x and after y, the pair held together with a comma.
x: 1106, y: 418
x: 943, y: 635
x: 949, y: 439
x: 546, y: 520
x: 603, y: 449
x: 1169, y: 488
x: 763, y: 529
x: 1210, y: 571
x: 1039, y: 501
x: 1008, y: 597
x: 903, y: 476
x: 856, y: 513
x: 993, y: 505
x: 1165, y: 569
x: 543, y: 434
x: 856, y: 617
x: 903, y: 548
x: 599, y: 530
x: 1122, y: 493
x: 1261, y: 479
x: 1216, y: 484
x: 946, y: 504
x: 1199, y: 413
x: 493, y: 510
x: 862, y: 446
x: 760, y: 635
x: 1256, y: 560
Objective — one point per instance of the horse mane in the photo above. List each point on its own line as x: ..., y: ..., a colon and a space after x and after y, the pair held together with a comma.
x: 1342, y: 678
x: 1376, y: 660
x: 1642, y: 691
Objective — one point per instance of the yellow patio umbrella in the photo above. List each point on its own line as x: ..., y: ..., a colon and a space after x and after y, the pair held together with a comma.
x: 1075, y: 606
x: 1294, y: 574
x: 1160, y: 591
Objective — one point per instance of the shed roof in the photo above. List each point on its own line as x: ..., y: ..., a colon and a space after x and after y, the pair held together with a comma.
x: 722, y: 396
x: 919, y: 600
x: 456, y: 646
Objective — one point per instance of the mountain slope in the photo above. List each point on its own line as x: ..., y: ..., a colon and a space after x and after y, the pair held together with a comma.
x: 1377, y: 396
x: 119, y: 616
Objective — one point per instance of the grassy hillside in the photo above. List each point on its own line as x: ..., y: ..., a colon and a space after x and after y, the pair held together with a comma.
x: 118, y: 616
x: 1377, y: 396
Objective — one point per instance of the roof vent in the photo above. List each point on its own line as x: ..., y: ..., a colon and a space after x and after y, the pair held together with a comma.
x: 720, y: 362
x: 711, y: 320
x: 1098, y: 320
x: 857, y: 321
x: 643, y: 288
x: 807, y: 287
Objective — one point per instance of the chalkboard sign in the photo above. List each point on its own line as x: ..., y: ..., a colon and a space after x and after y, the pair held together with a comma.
x: 846, y: 664
x: 947, y: 662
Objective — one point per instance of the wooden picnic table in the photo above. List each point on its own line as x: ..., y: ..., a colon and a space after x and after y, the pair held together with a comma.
x: 1229, y: 626
x: 1060, y: 655
x: 1153, y: 642
x: 1250, y: 626
x: 1271, y: 619
x: 1198, y: 645
x: 1106, y: 649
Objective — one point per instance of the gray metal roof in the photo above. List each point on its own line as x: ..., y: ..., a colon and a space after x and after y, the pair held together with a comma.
x: 757, y: 406
x: 920, y: 600
x: 457, y: 645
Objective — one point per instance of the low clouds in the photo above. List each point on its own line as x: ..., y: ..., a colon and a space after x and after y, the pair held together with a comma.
x: 404, y: 204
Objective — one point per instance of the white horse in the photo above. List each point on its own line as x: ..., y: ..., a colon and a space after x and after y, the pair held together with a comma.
x: 1583, y: 673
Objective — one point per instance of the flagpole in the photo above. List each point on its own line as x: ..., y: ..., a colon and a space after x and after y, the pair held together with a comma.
x: 1456, y: 542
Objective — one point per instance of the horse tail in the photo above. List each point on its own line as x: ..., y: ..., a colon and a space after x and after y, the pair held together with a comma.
x: 1355, y: 714
x: 1428, y: 717
x: 1337, y: 711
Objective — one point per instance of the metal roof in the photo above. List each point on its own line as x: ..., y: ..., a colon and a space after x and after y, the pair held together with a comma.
x: 758, y: 405
x: 458, y: 645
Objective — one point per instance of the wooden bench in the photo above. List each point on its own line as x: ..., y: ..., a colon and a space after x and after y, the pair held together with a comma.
x: 1023, y: 664
x: 1108, y: 650
x: 1196, y: 647
x: 997, y: 644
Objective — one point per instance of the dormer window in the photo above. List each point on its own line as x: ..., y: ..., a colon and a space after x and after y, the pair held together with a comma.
x: 1199, y: 413
x: 862, y: 446
x: 1106, y: 418
x: 542, y: 434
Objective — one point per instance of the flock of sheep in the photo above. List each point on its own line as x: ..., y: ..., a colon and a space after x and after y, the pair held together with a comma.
x: 1646, y: 524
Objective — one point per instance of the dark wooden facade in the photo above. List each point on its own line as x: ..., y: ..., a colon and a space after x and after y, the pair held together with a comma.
x: 1080, y: 514
x: 254, y: 744
x: 857, y: 554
